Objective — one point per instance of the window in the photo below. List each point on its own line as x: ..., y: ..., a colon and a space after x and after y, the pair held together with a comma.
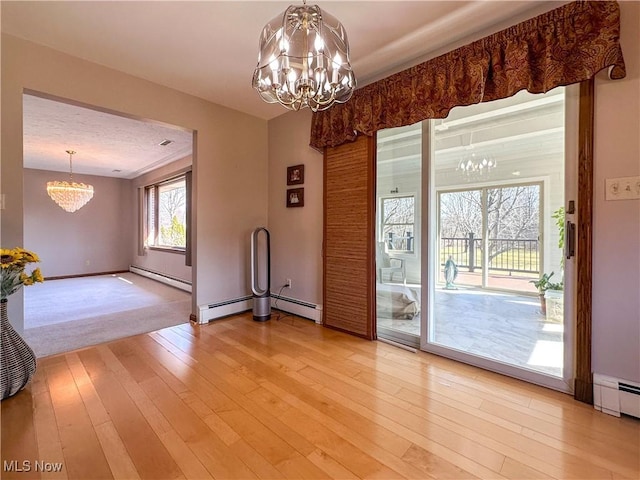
x: 166, y: 212
x: 509, y: 215
x: 397, y: 224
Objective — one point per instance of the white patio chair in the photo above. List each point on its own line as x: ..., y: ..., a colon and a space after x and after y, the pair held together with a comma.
x: 389, y: 266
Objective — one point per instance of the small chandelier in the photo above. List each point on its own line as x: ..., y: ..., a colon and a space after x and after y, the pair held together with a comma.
x: 304, y: 60
x: 71, y: 196
x: 477, y: 164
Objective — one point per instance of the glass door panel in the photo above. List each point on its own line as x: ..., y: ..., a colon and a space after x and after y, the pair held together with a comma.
x: 496, y: 180
x: 398, y: 226
x: 513, y: 233
x: 460, y: 222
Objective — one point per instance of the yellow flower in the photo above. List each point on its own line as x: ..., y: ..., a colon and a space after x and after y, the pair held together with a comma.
x: 37, y: 275
x: 8, y: 258
x: 26, y: 255
x: 12, y: 274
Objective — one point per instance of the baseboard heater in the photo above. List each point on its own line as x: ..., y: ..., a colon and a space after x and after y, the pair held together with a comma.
x: 161, y: 277
x: 224, y: 308
x: 297, y: 307
x: 214, y: 311
x: 616, y: 396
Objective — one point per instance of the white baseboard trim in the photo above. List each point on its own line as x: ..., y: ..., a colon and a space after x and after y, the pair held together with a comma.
x: 213, y: 311
x: 174, y: 282
x: 297, y: 307
x: 615, y: 396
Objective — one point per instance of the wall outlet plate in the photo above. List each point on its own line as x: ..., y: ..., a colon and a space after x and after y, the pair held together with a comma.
x: 623, y: 188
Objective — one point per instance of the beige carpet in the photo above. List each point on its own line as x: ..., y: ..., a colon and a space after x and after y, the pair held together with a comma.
x: 64, y: 315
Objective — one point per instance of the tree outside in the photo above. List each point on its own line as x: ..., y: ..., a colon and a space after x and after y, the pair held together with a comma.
x: 172, y: 215
x: 398, y: 223
x: 513, y: 226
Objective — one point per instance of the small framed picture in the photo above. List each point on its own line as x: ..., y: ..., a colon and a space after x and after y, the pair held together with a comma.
x: 295, y: 197
x: 295, y: 175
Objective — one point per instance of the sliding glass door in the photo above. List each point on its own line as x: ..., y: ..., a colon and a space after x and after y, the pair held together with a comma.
x: 470, y: 236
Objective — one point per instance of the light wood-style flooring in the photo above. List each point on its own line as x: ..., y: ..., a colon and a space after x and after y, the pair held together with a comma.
x: 290, y: 399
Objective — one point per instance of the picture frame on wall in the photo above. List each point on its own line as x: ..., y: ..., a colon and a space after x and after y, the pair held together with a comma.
x: 295, y: 175
x: 295, y: 197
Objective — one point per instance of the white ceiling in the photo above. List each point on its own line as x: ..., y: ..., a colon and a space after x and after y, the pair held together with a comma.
x: 105, y: 144
x: 518, y: 130
x: 209, y: 49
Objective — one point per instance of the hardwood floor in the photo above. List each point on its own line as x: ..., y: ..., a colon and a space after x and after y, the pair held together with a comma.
x: 290, y: 399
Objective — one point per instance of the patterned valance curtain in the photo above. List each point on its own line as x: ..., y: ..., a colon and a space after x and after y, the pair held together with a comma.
x: 563, y: 46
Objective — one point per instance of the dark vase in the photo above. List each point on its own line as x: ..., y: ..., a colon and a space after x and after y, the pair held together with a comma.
x: 18, y: 360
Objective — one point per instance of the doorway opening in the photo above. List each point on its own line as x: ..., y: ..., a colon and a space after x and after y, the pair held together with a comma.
x: 92, y: 250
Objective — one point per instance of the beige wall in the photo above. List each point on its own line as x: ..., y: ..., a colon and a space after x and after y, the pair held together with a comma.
x: 230, y: 160
x: 296, y: 233
x: 616, y: 224
x: 167, y: 263
x: 92, y: 240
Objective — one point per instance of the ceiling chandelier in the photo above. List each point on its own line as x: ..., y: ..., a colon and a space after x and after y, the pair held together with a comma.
x: 304, y: 60
x: 477, y: 164
x: 474, y: 163
x: 71, y: 196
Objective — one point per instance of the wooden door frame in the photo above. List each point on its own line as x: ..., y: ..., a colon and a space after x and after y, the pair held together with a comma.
x: 583, y: 388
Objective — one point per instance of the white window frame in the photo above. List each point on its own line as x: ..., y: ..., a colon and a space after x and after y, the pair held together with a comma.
x: 151, y: 219
x: 412, y: 224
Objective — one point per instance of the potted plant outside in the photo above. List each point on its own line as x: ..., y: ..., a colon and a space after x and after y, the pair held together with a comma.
x: 553, y: 292
x: 554, y: 300
x: 559, y: 217
x: 542, y: 284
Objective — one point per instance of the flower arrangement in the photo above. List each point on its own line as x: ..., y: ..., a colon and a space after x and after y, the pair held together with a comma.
x: 12, y: 272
